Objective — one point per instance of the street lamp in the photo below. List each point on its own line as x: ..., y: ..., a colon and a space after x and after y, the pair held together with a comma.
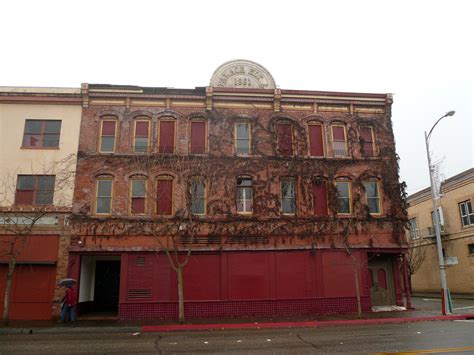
x: 446, y: 309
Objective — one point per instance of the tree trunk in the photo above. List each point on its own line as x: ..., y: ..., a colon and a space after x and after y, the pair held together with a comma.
x: 180, y: 294
x: 359, y: 305
x: 8, y: 289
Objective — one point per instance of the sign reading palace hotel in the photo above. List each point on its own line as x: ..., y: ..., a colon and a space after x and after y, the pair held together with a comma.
x: 242, y: 74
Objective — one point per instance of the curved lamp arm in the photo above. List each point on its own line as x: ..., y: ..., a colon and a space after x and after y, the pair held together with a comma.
x: 450, y: 113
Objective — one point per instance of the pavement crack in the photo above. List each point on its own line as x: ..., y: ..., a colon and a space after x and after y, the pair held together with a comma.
x: 307, y: 342
x: 157, y: 343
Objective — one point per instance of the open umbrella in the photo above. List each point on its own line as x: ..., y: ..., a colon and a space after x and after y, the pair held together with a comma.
x: 67, y: 282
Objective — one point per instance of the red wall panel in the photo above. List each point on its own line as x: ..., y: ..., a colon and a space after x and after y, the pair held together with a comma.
x: 202, y: 278
x: 338, y: 274
x: 291, y: 272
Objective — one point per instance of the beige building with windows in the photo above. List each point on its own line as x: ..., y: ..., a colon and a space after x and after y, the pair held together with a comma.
x: 39, y: 135
x: 457, y: 234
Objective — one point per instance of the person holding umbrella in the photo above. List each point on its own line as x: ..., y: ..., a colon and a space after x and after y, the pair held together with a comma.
x: 68, y: 302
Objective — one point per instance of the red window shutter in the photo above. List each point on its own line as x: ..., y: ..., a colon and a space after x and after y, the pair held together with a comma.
x: 198, y: 137
x: 285, y: 139
x: 320, y: 199
x: 141, y: 129
x: 338, y: 133
x: 367, y: 141
x: 316, y: 140
x: 166, y: 137
x: 164, y: 197
x: 24, y: 197
x: 138, y: 205
x: 108, y: 128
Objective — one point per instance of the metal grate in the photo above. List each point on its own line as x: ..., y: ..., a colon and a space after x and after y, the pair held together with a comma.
x: 139, y: 294
x: 140, y: 261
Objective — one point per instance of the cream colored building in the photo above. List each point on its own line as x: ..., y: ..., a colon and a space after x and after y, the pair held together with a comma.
x: 457, y: 233
x: 39, y: 136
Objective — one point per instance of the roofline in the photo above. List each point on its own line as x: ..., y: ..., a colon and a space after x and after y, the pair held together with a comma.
x: 39, y: 90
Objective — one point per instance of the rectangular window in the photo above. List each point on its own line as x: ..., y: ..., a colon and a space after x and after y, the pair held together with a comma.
x: 470, y: 249
x: 35, y: 190
x: 164, y: 196
x: 316, y: 145
x: 244, y: 195
x: 288, y: 200
x: 320, y: 202
x: 339, y: 143
x: 373, y: 196
x: 285, y: 139
x: 198, y: 137
x: 242, y: 138
x: 414, y: 228
x: 166, y: 137
x: 107, y: 136
x: 198, y: 197
x: 142, y: 136
x: 367, y: 141
x: 343, y: 197
x: 138, y: 196
x: 103, y: 203
x: 467, y: 216
x: 41, y: 133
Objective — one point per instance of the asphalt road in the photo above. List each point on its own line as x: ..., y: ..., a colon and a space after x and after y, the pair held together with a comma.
x: 441, y: 337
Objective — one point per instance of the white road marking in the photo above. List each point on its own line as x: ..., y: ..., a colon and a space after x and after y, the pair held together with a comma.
x: 464, y: 307
x: 269, y: 340
x: 431, y: 299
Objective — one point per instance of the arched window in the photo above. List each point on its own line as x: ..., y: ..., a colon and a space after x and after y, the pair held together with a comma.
x: 197, y: 194
x: 344, y: 196
x: 108, y: 135
x: 372, y: 194
x: 164, y: 195
x: 138, y: 195
x: 104, y: 194
x: 284, y: 130
x: 198, y: 141
x: 316, y: 139
x: 141, y: 135
x: 339, y: 140
x: 320, y: 199
x: 166, y: 135
x: 367, y: 141
x: 288, y: 195
x: 244, y: 195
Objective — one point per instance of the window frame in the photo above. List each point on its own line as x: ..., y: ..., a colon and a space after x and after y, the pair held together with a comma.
x: 160, y: 121
x: 470, y: 249
x: 206, y: 133
x: 112, y: 190
x: 167, y: 178
x: 323, y: 141
x: 349, y: 183
x: 372, y: 133
x: 346, y: 144
x: 470, y: 214
x: 286, y: 123
x: 379, y: 197
x: 35, y: 190
x: 107, y: 119
x: 148, y: 145
x: 414, y: 232
x: 201, y: 180
x: 249, y: 139
x: 131, y: 197
x: 325, y: 183
x: 42, y: 134
x: 293, y: 179
x: 244, y: 200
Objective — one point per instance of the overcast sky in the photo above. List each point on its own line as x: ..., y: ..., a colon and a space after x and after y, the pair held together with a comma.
x: 421, y: 51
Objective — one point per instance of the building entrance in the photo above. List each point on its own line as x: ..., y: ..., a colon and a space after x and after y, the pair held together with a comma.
x: 382, y: 288
x: 99, y: 285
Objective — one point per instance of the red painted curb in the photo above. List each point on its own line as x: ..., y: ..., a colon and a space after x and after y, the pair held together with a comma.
x: 191, y: 327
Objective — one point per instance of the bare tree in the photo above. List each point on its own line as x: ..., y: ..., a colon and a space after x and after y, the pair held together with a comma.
x: 23, y: 206
x: 177, y: 220
x: 415, y: 258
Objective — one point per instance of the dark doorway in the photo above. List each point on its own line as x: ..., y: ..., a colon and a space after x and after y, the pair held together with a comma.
x: 107, y: 282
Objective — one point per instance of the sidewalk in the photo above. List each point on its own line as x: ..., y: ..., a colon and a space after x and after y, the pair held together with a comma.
x: 425, y: 311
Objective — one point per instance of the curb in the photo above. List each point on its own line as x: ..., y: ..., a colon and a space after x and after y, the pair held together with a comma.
x: 69, y: 330
x: 313, y: 324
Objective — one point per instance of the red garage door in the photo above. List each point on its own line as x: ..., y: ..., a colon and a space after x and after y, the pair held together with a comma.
x: 32, y: 291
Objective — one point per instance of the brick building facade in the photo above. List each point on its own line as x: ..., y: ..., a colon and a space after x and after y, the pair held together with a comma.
x: 283, y: 198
